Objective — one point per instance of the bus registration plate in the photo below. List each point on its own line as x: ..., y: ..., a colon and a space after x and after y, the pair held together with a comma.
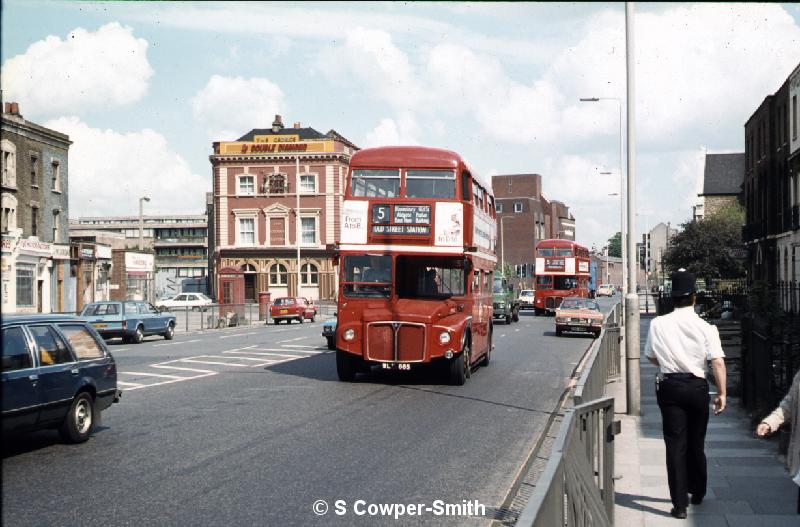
x: 395, y: 366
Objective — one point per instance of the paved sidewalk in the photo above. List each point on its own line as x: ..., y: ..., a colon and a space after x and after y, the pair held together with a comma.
x: 747, y: 482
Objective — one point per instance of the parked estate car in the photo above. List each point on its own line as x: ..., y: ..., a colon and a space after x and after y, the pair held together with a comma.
x: 329, y: 332
x: 132, y: 320
x: 526, y: 297
x: 195, y: 301
x: 580, y: 315
x: 291, y: 308
x: 606, y: 290
x: 56, y: 373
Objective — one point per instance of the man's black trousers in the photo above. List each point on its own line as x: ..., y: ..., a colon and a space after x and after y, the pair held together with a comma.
x: 683, y: 400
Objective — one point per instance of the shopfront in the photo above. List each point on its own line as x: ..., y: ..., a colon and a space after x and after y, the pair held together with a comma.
x: 132, y: 276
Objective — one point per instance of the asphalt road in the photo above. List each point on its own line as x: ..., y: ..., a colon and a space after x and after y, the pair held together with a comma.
x: 250, y: 426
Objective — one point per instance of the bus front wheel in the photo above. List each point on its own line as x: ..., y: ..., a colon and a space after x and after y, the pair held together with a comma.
x: 460, y: 366
x: 346, y: 366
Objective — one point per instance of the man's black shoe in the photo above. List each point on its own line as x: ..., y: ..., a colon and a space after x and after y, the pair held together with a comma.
x: 696, y: 499
x: 678, y: 513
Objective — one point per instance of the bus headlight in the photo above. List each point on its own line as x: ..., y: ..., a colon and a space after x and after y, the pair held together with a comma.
x: 349, y: 334
x: 444, y: 337
x: 561, y: 320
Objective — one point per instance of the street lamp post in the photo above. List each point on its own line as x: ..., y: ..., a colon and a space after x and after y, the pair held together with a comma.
x: 503, y: 246
x: 141, y: 221
x: 621, y: 184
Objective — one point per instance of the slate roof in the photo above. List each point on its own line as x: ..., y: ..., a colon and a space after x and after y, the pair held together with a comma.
x: 723, y: 174
x: 304, y: 133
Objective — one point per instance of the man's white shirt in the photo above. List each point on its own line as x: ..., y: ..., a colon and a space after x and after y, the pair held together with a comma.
x: 682, y: 342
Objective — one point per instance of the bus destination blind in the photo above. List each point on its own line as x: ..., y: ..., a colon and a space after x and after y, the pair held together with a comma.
x: 407, y: 219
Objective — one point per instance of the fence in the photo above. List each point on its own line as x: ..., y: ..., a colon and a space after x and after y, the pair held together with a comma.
x: 216, y: 316
x: 576, y: 488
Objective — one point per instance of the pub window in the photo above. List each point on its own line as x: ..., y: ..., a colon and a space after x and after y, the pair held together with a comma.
x: 517, y: 206
x: 278, y: 275
x: 247, y: 231
x: 246, y: 185
x: 276, y: 184
x: 309, y: 275
x: 308, y: 184
x: 308, y: 227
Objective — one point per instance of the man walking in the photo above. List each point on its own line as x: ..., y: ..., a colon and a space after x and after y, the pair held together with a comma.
x: 680, y: 343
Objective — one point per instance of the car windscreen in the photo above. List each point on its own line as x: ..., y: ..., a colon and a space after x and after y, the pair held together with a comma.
x: 578, y: 303
x: 497, y: 286
x: 284, y: 301
x: 430, y: 277
x: 368, y: 275
x: 526, y: 293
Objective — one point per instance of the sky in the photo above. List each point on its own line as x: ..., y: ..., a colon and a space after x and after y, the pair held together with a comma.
x: 144, y: 88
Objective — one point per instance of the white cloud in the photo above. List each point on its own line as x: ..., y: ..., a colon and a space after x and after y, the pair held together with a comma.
x: 229, y: 106
x: 87, y: 71
x: 110, y: 171
x: 391, y: 132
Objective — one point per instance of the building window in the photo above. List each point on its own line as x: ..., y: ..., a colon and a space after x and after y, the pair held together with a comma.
x: 246, y: 186
x: 34, y: 170
x: 517, y: 206
x: 34, y: 221
x: 24, y: 285
x: 309, y: 275
x: 308, y: 184
x: 499, y: 207
x: 56, y: 216
x: 247, y: 231
x: 56, y: 166
x: 308, y: 226
x: 794, y: 117
x: 278, y: 275
x: 9, y: 218
x: 9, y: 150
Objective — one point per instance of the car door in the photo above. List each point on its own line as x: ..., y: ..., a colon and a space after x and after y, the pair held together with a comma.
x: 20, y: 382
x: 150, y: 322
x: 159, y: 320
x: 59, y: 375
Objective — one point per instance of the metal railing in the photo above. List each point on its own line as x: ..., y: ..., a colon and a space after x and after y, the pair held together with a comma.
x: 577, y: 488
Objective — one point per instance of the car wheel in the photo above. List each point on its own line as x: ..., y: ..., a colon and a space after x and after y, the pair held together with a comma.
x: 515, y: 316
x: 558, y: 332
x: 300, y: 318
x: 195, y: 308
x: 313, y: 318
x: 138, y: 336
x: 508, y: 319
x: 597, y: 334
x: 331, y: 343
x: 346, y: 367
x: 275, y: 321
x: 170, y: 333
x: 79, y: 421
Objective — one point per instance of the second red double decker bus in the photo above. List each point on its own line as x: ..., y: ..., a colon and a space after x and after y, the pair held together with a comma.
x: 562, y: 270
x: 416, y: 258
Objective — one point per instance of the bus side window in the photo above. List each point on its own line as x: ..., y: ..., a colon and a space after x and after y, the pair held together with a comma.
x: 476, y: 281
x: 465, y: 185
x: 486, y: 280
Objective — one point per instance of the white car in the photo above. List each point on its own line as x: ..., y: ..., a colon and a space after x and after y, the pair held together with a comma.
x: 605, y: 290
x: 195, y: 301
x: 526, y: 297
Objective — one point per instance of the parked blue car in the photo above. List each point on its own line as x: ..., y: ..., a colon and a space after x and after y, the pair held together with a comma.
x: 132, y: 320
x: 56, y: 373
x: 329, y: 332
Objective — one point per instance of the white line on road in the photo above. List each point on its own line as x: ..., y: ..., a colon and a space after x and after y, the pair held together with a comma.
x: 516, y: 329
x: 291, y: 340
x: 292, y: 350
x: 302, y: 346
x: 171, y: 381
x: 238, y: 335
x: 214, y: 362
x: 131, y: 384
x: 267, y: 354
x: 153, y: 375
x: 176, y: 342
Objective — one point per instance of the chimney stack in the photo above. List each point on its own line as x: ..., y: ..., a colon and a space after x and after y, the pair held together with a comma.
x: 15, y: 109
x: 7, y: 107
x: 277, y: 124
x: 297, y: 125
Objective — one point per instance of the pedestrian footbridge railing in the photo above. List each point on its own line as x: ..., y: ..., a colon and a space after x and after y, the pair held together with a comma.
x: 576, y: 488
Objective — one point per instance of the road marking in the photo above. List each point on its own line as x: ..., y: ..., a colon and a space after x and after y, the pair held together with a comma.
x: 503, y: 335
x: 154, y: 375
x: 291, y: 340
x: 301, y: 346
x: 215, y: 362
x: 292, y: 350
x: 175, y: 343
x: 119, y: 349
x: 131, y: 384
x: 171, y: 381
x: 267, y: 354
x: 238, y: 335
x: 516, y: 329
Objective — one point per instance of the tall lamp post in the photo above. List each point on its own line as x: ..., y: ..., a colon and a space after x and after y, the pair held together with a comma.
x: 141, y: 221
x: 503, y: 245
x: 621, y: 184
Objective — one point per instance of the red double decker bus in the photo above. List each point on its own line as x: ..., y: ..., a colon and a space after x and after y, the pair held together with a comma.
x: 562, y: 270
x: 416, y: 257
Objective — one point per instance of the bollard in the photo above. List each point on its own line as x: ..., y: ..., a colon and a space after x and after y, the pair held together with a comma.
x: 186, y: 312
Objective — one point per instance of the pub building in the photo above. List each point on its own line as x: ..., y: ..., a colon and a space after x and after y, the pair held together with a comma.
x: 257, y: 223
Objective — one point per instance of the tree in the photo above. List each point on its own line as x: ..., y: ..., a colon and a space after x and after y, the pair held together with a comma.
x: 615, y: 245
x: 710, y: 248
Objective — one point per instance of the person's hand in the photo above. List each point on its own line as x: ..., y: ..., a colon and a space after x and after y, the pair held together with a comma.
x: 719, y: 404
x: 763, y: 429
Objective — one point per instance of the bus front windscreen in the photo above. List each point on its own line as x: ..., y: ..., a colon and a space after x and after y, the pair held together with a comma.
x: 368, y: 276
x: 565, y: 282
x: 430, y: 277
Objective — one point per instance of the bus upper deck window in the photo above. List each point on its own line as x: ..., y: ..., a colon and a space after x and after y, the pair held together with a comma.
x: 375, y: 183
x: 563, y: 252
x: 439, y: 184
x: 546, y: 252
x: 465, y: 186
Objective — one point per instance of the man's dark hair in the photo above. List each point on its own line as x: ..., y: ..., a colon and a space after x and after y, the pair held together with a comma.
x: 684, y: 301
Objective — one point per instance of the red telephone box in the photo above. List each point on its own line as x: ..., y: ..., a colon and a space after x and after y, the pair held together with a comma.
x: 230, y: 296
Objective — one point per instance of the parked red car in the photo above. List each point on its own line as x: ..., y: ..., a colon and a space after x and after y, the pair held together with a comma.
x: 289, y: 308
